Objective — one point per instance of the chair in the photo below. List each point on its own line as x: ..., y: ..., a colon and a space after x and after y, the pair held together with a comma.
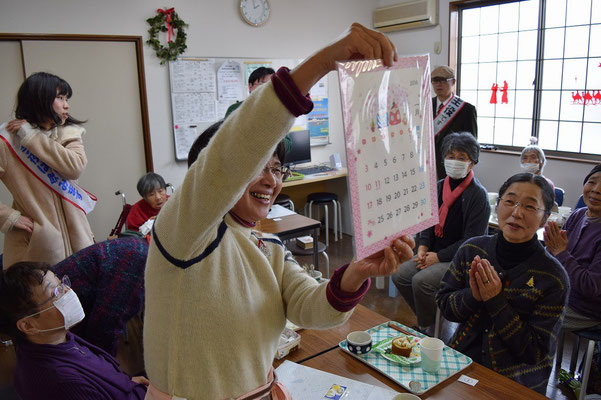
x: 580, y: 203
x: 108, y: 278
x: 591, y: 335
x: 559, y: 194
x: 322, y: 199
x: 299, y: 251
x: 285, y: 201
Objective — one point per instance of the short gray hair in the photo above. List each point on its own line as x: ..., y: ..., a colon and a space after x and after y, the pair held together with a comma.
x: 539, y: 151
x: 149, y: 182
x: 462, y: 141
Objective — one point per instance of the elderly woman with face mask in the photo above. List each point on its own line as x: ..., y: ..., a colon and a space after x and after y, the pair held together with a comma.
x: 533, y: 160
x: 218, y: 292
x: 464, y: 211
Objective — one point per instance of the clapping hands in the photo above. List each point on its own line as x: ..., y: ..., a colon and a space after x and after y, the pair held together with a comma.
x: 484, y: 280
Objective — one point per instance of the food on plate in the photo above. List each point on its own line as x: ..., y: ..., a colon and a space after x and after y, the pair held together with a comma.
x: 402, y: 346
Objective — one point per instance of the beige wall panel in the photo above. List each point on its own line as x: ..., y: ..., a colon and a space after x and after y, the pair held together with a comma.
x: 104, y: 79
x: 10, y: 80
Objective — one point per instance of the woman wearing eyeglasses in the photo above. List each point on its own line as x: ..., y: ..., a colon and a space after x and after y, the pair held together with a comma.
x: 218, y: 292
x: 37, y: 309
x: 506, y: 291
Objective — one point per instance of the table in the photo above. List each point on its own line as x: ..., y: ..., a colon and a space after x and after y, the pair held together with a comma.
x: 292, y: 226
x: 491, y: 385
x: 317, y: 341
x: 319, y: 349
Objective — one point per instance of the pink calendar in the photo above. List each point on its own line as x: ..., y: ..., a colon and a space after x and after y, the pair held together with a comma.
x: 387, y: 116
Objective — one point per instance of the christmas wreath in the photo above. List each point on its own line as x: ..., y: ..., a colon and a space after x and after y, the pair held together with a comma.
x: 167, y: 20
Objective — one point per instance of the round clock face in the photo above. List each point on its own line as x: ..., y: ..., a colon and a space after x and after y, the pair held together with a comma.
x: 255, y: 12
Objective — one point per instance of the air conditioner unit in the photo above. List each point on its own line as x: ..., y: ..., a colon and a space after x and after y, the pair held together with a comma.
x: 412, y: 14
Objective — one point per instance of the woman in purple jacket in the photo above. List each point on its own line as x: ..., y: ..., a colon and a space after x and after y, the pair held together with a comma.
x: 578, y: 248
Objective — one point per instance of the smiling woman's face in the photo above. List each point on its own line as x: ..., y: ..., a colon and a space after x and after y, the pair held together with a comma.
x: 591, y: 194
x: 260, y: 194
x: 519, y: 224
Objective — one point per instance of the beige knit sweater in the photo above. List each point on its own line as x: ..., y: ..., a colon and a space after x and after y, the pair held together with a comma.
x: 59, y: 228
x: 211, y: 329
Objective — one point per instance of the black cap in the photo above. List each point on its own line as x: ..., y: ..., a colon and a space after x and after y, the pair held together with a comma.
x: 596, y: 169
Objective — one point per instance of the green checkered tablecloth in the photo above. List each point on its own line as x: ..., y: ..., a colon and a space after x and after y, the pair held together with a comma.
x: 452, y: 362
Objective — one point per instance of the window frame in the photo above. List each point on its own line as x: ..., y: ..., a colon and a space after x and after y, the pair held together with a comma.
x: 455, y: 8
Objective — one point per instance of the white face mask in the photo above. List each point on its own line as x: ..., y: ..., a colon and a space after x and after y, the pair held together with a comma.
x: 530, y: 167
x: 70, y: 307
x: 456, y: 169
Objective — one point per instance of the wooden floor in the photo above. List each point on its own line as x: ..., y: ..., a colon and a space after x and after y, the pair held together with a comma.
x: 341, y: 252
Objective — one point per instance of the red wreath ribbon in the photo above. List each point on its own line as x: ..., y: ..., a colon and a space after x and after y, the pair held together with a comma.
x: 169, y: 18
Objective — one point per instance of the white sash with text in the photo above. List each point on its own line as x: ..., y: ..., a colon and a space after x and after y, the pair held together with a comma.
x: 448, y: 112
x: 65, y: 188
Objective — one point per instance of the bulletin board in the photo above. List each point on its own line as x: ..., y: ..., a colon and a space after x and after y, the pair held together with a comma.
x: 202, y: 89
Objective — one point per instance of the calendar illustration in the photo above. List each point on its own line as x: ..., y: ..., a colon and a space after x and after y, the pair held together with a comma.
x: 387, y: 115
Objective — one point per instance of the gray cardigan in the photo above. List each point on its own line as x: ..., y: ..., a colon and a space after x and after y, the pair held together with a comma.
x: 475, y: 210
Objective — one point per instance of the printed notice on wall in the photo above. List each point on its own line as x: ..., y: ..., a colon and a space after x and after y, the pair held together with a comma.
x: 387, y: 114
x: 229, y: 81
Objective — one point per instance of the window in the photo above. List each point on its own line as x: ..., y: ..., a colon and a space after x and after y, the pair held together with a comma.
x: 532, y: 68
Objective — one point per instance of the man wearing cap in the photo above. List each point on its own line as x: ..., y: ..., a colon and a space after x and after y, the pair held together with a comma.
x: 451, y: 114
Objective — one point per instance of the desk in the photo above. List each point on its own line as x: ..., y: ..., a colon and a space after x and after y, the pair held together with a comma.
x: 490, y: 386
x: 315, y: 342
x: 322, y: 176
x: 322, y: 182
x: 292, y: 226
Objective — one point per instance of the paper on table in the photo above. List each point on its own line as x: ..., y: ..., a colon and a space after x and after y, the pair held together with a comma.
x: 279, y: 211
x: 305, y: 383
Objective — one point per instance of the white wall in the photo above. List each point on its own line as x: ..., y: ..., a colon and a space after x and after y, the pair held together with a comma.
x: 295, y: 29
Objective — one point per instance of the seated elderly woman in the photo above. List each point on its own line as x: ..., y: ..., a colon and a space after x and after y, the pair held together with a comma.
x: 37, y: 309
x: 464, y: 211
x: 578, y: 249
x: 152, y: 188
x: 506, y: 291
x: 533, y: 160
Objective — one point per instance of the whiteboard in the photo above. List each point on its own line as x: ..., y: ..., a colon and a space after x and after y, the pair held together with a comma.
x: 202, y: 89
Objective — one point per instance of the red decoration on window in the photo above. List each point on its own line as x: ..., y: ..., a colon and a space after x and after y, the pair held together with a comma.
x: 504, y: 99
x: 493, y: 96
x: 587, y: 98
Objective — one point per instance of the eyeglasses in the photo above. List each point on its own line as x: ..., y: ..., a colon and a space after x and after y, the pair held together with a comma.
x: 441, y: 80
x: 59, y: 290
x: 529, y: 208
x: 280, y: 172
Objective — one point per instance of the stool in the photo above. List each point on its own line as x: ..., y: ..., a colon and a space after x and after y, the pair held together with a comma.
x: 322, y: 199
x: 590, y: 334
x: 299, y: 251
x: 285, y: 201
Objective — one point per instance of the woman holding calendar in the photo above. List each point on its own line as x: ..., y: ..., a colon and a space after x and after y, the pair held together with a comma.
x: 217, y: 291
x: 463, y: 213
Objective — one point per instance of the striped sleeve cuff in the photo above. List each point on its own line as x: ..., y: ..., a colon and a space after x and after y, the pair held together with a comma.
x: 289, y: 94
x: 340, y: 300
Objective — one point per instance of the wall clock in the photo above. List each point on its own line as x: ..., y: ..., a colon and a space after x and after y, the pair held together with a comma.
x: 255, y: 12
